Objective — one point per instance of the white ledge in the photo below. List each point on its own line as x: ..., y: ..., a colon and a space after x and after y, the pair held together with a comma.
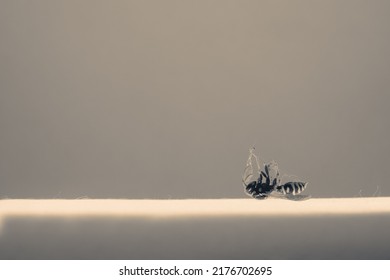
x: 193, y: 207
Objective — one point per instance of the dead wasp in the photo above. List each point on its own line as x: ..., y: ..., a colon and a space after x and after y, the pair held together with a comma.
x: 268, y: 184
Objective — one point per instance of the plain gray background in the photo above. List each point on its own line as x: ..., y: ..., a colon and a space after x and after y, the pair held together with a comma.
x: 303, y: 238
x: 163, y: 99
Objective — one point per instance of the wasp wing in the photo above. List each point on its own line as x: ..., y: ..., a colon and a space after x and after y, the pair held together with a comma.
x: 249, y: 171
x: 297, y: 197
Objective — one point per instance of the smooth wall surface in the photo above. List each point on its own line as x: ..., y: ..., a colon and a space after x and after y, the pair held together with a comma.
x: 163, y: 99
x: 321, y: 237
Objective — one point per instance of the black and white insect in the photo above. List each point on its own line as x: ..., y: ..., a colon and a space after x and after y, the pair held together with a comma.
x: 268, y: 183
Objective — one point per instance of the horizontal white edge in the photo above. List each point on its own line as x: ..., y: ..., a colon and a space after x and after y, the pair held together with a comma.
x: 193, y: 207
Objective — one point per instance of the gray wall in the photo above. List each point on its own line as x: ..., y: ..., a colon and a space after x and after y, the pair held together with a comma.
x: 163, y: 99
x: 322, y: 237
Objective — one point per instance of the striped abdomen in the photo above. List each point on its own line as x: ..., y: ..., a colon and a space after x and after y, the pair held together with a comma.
x: 292, y: 188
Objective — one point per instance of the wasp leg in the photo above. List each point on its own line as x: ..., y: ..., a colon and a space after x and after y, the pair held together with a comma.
x: 266, y: 169
x: 277, y: 179
x: 274, y: 183
x: 251, y: 187
x: 260, y: 196
x: 266, y: 176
